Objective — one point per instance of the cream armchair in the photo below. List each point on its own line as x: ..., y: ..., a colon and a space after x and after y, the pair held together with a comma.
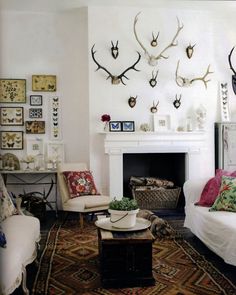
x: 81, y: 204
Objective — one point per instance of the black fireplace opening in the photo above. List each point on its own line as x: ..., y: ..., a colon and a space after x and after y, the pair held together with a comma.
x: 170, y: 166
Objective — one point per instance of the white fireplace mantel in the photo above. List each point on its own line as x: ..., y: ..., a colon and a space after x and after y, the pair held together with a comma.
x: 118, y: 143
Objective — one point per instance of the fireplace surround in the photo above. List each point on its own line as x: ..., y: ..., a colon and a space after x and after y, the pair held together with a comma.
x: 191, y: 144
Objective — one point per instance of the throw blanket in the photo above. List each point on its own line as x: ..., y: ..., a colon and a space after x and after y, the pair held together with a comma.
x: 159, y: 227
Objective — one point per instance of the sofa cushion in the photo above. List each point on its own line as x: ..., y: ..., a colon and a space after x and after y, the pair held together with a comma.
x: 80, y: 183
x: 212, y: 187
x: 226, y: 201
x: 22, y: 233
x: 7, y: 207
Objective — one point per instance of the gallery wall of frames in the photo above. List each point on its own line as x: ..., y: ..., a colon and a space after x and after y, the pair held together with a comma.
x: 30, y: 123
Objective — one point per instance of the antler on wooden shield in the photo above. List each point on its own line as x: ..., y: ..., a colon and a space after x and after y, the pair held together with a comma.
x: 231, y: 67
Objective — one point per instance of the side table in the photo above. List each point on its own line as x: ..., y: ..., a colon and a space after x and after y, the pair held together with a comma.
x: 125, y: 258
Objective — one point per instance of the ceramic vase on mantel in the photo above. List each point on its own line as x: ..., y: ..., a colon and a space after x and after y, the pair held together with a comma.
x: 106, y: 126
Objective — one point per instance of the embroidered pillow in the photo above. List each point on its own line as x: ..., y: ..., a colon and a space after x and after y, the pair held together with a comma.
x: 226, y: 201
x: 80, y: 183
x: 7, y: 207
x: 212, y: 187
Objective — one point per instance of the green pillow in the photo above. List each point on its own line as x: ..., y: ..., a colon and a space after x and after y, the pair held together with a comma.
x: 226, y: 200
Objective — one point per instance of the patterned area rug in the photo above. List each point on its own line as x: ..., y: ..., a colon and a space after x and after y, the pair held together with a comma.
x: 69, y: 264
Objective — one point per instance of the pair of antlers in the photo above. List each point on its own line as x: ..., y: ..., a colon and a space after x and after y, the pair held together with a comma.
x: 181, y: 81
x: 119, y: 78
x: 152, y: 60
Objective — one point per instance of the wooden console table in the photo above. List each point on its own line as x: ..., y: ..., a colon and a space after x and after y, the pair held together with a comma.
x: 125, y: 258
x: 39, y: 177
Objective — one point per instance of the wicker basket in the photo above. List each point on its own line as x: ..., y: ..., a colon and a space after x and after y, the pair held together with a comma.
x: 156, y: 199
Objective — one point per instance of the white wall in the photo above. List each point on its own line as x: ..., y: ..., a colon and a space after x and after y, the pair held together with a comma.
x: 60, y: 42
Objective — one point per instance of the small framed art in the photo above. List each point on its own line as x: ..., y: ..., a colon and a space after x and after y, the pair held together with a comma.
x: 55, y: 151
x: 12, y: 90
x: 45, y: 83
x: 128, y: 126
x: 115, y: 126
x: 11, y: 116
x: 11, y: 140
x: 161, y: 122
x: 36, y: 100
x: 35, y: 127
x: 35, y: 113
x: 35, y: 147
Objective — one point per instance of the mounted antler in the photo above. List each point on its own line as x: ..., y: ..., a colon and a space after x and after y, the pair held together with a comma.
x: 177, y: 101
x: 153, y: 80
x: 183, y: 82
x: 152, y: 60
x: 114, y: 49
x: 154, y: 40
x: 115, y: 79
x: 153, y: 109
x: 231, y: 67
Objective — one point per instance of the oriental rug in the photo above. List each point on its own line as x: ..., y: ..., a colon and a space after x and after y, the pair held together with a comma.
x: 69, y: 264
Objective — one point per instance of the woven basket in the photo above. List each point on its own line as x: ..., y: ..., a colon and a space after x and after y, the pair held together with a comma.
x: 156, y: 199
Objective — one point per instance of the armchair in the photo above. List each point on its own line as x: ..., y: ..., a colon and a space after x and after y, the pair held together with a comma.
x: 82, y: 204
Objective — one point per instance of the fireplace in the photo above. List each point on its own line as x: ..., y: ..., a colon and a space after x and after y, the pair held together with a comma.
x: 188, y: 147
x: 170, y: 166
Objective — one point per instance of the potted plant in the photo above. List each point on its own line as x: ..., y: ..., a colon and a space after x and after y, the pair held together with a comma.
x: 123, y: 212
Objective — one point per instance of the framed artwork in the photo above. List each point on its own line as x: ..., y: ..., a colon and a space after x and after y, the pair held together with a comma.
x: 35, y: 127
x: 115, y: 126
x: 44, y: 83
x: 11, y: 140
x: 128, y: 126
x: 36, y: 100
x: 161, y: 122
x: 35, y: 113
x: 12, y: 90
x: 55, y: 151
x: 11, y: 116
x: 35, y: 147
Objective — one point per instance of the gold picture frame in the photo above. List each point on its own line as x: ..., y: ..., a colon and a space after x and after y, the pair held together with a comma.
x: 12, y: 90
x: 47, y: 83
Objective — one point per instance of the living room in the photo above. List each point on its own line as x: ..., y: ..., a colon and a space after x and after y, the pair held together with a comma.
x: 56, y: 38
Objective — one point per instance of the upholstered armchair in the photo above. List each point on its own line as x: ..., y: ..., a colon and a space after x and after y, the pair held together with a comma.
x: 80, y: 201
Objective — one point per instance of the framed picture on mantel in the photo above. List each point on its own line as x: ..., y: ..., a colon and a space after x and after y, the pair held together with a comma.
x: 161, y: 122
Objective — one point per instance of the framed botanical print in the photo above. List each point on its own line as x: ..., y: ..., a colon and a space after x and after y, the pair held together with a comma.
x: 11, y: 140
x: 44, y: 83
x: 35, y: 113
x: 11, y: 116
x: 36, y: 100
x: 12, y: 90
x: 128, y: 126
x: 115, y: 126
x: 35, y: 127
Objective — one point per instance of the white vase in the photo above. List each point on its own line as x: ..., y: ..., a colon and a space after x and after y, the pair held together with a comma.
x: 123, y: 219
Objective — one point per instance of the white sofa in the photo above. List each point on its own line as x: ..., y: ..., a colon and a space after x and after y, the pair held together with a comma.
x: 217, y: 230
x: 22, y: 235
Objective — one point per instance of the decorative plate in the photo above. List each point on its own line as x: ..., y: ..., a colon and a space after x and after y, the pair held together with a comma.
x: 106, y: 224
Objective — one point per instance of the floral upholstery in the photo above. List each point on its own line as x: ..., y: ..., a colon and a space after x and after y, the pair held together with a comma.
x: 226, y: 201
x: 80, y: 183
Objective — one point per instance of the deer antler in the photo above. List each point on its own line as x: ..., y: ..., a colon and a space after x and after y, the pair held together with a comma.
x: 203, y: 78
x: 181, y: 81
x: 229, y: 58
x: 119, y: 78
x: 152, y: 60
x: 99, y: 66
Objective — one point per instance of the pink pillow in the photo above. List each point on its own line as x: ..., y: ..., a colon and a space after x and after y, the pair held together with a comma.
x: 212, y: 188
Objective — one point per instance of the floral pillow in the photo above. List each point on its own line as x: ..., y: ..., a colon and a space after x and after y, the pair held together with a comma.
x: 212, y: 187
x: 80, y: 183
x: 7, y: 207
x: 226, y: 201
